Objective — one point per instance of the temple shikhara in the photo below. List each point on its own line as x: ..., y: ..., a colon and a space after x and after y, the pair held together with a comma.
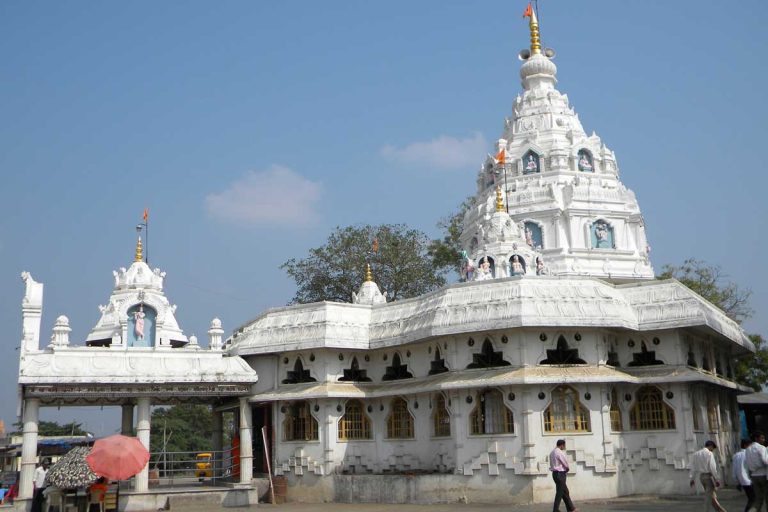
x: 557, y: 329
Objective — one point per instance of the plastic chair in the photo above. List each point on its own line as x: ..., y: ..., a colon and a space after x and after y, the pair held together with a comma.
x: 54, y: 500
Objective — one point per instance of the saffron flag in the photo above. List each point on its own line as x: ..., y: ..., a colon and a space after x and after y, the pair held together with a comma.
x: 528, y: 11
x: 375, y: 246
x: 501, y: 157
x: 146, y: 214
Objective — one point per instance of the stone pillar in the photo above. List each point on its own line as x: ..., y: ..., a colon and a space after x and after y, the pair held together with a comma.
x: 29, y: 448
x: 126, y: 425
x: 528, y: 425
x: 217, y: 442
x: 141, y: 483
x: 246, y: 443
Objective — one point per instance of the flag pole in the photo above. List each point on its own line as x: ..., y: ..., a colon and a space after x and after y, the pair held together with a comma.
x: 506, y: 189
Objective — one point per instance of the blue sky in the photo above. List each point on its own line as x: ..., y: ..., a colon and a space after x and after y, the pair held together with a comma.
x: 251, y: 129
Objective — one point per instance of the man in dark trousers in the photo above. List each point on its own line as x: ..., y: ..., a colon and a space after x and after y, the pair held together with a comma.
x: 558, y: 465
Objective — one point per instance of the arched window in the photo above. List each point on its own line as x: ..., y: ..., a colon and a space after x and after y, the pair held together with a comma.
x: 584, y: 161
x: 355, y: 424
x: 437, y: 365
x: 713, y: 418
x: 397, y: 371
x: 441, y: 418
x: 616, y: 424
x: 602, y: 235
x: 354, y: 373
x: 650, y: 411
x: 298, y: 374
x: 399, y: 421
x: 530, y: 162
x: 565, y: 413
x: 487, y: 358
x: 490, y: 415
x: 299, y: 424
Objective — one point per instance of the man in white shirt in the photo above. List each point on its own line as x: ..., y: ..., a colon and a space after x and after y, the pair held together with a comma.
x: 703, y: 464
x: 39, y: 481
x: 756, y: 461
x: 741, y: 475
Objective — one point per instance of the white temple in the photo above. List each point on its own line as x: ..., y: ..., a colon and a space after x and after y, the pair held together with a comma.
x: 558, y: 330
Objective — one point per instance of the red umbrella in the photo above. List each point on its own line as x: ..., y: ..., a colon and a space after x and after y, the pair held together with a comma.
x: 117, y: 457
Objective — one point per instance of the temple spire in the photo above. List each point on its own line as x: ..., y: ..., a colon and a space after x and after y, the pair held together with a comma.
x: 534, y: 25
x: 139, y: 250
x: 368, y: 274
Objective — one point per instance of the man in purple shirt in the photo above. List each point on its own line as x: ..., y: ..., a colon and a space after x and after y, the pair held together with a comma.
x: 558, y: 465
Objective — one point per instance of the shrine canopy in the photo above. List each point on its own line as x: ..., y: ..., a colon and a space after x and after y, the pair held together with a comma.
x: 136, y: 349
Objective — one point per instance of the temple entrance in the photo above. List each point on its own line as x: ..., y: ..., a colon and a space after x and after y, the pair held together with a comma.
x: 262, y: 417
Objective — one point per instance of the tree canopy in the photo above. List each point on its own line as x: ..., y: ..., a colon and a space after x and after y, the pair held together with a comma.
x: 53, y: 428
x: 711, y: 282
x: 399, y: 257
x: 187, y: 427
x: 446, y: 252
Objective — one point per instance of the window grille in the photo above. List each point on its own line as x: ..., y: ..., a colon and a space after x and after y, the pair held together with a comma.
x: 441, y: 419
x: 490, y: 415
x: 399, y: 421
x: 565, y: 413
x: 355, y: 424
x: 650, y: 411
x: 299, y: 424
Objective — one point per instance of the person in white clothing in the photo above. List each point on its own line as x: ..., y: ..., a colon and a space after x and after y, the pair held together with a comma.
x: 756, y: 461
x: 39, y: 481
x: 703, y: 464
x: 741, y: 475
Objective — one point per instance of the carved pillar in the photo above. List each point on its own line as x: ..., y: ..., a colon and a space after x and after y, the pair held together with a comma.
x: 217, y: 442
x: 605, y: 419
x: 29, y: 448
x: 246, y: 442
x: 141, y: 482
x: 126, y: 425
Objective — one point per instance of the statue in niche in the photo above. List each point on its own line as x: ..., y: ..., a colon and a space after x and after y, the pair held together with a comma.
x: 517, y: 267
x: 645, y: 357
x: 602, y: 236
x: 138, y: 324
x: 528, y: 236
x: 541, y: 269
x: 563, y: 354
x: 530, y: 164
x: 467, y: 267
x: 585, y: 162
x: 483, y: 272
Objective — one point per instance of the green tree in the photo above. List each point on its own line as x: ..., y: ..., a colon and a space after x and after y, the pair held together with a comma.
x: 53, y: 428
x: 446, y: 252
x: 402, y: 265
x: 186, y: 428
x: 710, y: 282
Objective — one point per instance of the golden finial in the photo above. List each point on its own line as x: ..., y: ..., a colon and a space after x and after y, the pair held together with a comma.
x: 368, y: 274
x: 499, y: 199
x: 535, y: 42
x: 139, y: 255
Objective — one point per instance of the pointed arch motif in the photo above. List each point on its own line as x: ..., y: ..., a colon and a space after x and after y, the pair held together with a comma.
x: 399, y: 421
x: 563, y: 354
x: 298, y: 374
x: 650, y: 411
x: 397, y: 371
x: 487, y: 358
x: 299, y: 424
x: 354, y: 424
x: 565, y: 413
x: 491, y: 415
x: 354, y: 373
x: 616, y: 423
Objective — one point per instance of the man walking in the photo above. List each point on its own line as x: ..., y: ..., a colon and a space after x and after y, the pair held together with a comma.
x: 558, y: 464
x: 703, y: 465
x: 756, y: 461
x: 39, y: 481
x: 741, y: 475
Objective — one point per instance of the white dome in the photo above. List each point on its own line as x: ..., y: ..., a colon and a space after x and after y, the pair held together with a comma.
x: 538, y: 64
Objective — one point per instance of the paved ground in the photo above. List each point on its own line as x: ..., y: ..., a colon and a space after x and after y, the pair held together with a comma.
x: 732, y: 500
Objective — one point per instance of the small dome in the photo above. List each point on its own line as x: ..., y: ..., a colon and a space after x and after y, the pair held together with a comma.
x: 215, y: 323
x: 538, y: 64
x: 62, y: 320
